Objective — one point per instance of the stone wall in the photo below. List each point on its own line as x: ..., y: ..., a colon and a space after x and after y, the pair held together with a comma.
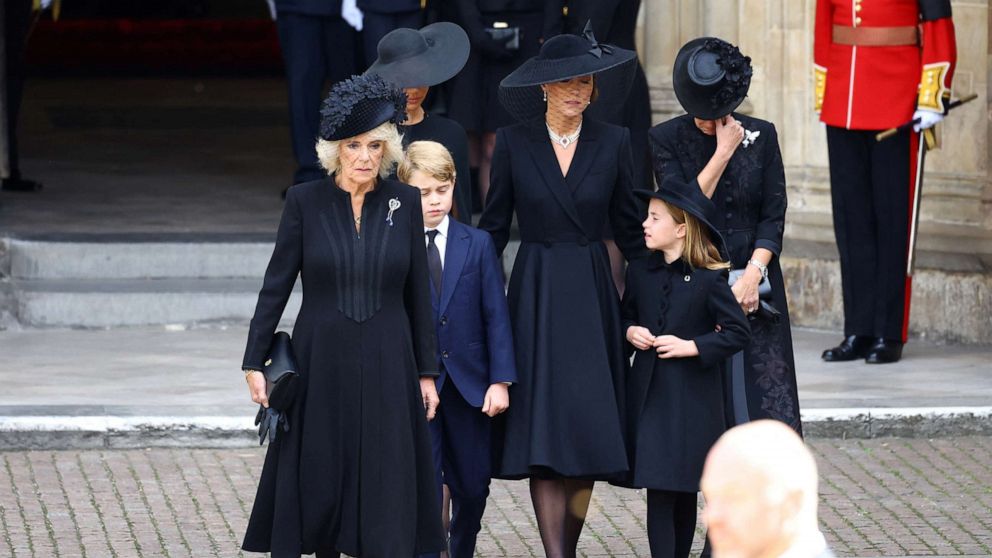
x: 954, y: 277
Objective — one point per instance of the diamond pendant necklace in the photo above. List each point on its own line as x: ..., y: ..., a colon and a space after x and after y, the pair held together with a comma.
x: 566, y: 140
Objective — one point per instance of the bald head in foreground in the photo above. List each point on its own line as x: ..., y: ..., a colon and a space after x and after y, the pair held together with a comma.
x: 760, y: 486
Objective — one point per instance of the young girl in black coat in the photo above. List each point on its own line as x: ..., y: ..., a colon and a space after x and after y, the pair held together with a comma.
x: 683, y: 320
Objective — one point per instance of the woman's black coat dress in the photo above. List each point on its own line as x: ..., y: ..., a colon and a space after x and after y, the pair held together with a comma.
x: 751, y: 201
x: 675, y: 407
x: 354, y: 474
x: 565, y: 418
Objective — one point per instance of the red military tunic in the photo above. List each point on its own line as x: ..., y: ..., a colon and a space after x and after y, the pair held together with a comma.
x: 879, y: 87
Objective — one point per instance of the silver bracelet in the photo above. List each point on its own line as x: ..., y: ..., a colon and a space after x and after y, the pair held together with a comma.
x: 761, y: 267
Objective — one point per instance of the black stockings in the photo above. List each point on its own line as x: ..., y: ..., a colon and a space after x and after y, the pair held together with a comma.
x: 671, y: 523
x: 560, y: 506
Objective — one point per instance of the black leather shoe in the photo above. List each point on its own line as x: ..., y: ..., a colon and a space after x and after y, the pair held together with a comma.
x: 852, y: 347
x: 884, y: 351
x: 20, y: 185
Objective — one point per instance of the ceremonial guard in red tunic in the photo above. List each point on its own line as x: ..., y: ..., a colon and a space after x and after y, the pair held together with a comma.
x: 878, y: 64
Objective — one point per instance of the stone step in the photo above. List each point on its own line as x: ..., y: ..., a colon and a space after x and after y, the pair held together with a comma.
x: 108, y: 303
x: 36, y: 259
x: 129, y: 280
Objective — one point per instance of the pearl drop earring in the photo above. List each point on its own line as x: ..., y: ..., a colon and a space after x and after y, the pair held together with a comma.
x: 545, y: 95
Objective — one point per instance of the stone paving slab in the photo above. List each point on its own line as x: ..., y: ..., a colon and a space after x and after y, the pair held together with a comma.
x: 169, y: 386
x: 896, y: 497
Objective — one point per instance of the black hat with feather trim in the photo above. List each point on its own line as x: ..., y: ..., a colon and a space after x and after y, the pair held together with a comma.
x: 359, y: 104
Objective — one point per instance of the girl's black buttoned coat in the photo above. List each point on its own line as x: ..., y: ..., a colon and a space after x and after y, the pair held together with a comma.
x: 675, y: 407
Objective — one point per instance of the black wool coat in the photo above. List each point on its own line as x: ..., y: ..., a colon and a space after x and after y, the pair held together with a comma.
x: 355, y: 473
x: 675, y: 407
x: 567, y: 404
x: 751, y: 202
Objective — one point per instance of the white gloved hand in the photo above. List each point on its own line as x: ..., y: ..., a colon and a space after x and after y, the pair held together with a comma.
x: 928, y: 119
x: 272, y: 8
x: 351, y: 14
x: 45, y: 4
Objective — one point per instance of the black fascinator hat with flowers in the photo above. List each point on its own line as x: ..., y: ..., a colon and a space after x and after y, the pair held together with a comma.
x: 711, y: 77
x: 359, y: 104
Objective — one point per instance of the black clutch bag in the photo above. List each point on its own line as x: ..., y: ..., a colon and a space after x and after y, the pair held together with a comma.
x: 280, y: 373
x: 765, y: 309
x: 764, y: 287
x: 509, y: 36
x: 281, y: 385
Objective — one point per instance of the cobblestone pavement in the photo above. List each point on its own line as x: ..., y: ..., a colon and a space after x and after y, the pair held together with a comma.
x: 883, y: 497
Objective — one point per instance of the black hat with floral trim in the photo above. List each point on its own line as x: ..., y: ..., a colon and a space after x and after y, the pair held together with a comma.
x: 359, y: 104
x: 711, y: 77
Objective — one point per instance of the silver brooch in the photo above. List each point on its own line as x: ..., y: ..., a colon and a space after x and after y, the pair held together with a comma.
x: 750, y: 137
x: 394, y: 204
x: 688, y: 278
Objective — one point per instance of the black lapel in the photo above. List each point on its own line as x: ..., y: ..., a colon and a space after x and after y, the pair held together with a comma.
x: 586, y: 152
x: 547, y: 164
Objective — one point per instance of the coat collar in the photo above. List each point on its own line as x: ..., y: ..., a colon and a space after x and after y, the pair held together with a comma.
x: 656, y: 261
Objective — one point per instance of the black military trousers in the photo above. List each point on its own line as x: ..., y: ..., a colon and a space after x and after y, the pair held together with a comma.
x: 315, y: 50
x: 16, y: 15
x: 871, y: 187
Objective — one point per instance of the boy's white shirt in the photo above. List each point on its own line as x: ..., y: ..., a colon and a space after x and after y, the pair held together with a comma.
x: 441, y: 240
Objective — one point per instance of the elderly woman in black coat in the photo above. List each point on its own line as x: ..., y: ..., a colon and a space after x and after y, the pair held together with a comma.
x: 564, y: 175
x: 736, y: 161
x: 354, y: 473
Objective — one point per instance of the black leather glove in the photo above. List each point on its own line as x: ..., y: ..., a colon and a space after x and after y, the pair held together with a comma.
x: 492, y: 49
x: 269, y: 421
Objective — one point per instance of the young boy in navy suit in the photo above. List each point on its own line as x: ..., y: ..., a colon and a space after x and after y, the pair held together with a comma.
x: 475, y: 347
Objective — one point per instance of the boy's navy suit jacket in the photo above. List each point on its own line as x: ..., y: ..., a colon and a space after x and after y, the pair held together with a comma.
x: 474, y: 339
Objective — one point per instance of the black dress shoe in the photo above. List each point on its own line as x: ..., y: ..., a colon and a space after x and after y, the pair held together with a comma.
x: 852, y: 347
x: 20, y: 185
x: 884, y: 351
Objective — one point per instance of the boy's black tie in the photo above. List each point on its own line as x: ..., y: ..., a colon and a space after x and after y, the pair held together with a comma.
x: 434, y: 259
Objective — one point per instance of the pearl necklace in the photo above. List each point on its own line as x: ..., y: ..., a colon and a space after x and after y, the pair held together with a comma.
x: 566, y: 140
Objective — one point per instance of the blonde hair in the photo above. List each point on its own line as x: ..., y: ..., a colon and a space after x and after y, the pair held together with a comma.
x: 329, y: 151
x: 430, y: 158
x: 698, y: 249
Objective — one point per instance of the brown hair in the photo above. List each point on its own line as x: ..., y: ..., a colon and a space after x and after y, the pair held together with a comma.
x: 432, y: 159
x: 698, y: 249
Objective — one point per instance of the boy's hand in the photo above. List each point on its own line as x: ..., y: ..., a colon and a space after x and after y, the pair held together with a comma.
x: 497, y: 400
x: 670, y: 346
x: 640, y: 337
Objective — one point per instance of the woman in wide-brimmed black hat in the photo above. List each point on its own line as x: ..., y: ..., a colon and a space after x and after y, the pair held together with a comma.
x: 564, y: 175
x: 415, y: 61
x: 735, y: 160
x: 354, y: 474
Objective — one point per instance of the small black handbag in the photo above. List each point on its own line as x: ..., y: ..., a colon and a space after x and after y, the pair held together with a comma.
x: 280, y: 372
x: 510, y: 36
x: 281, y: 385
